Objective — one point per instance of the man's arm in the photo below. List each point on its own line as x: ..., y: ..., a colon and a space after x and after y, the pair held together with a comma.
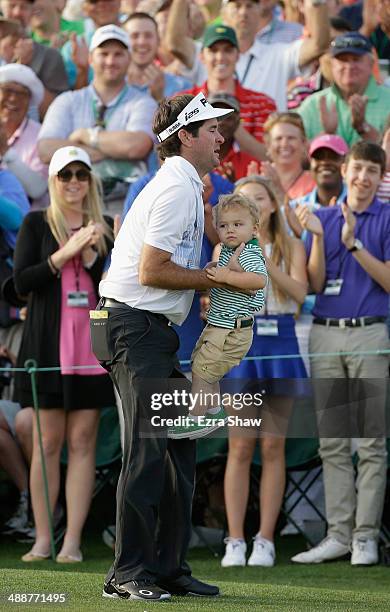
x: 177, y: 40
x: 118, y: 144
x: 48, y: 146
x: 242, y: 280
x: 317, y: 23
x: 157, y: 270
x: 378, y: 270
x: 249, y: 144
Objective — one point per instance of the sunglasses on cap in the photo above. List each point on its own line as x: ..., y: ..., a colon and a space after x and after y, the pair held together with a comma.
x: 82, y: 175
x: 350, y: 41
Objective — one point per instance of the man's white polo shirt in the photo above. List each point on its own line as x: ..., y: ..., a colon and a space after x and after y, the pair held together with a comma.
x: 268, y: 68
x: 167, y: 214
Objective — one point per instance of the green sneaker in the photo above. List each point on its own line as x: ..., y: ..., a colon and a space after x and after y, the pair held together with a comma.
x: 199, y: 429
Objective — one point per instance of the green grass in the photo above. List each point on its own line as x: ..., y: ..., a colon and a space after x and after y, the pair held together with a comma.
x: 286, y: 587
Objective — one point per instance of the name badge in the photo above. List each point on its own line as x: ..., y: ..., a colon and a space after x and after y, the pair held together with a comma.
x: 267, y: 327
x: 333, y: 287
x: 77, y: 299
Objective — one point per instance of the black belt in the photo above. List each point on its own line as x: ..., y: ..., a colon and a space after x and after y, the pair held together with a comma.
x: 358, y: 322
x: 244, y: 323
x: 111, y: 303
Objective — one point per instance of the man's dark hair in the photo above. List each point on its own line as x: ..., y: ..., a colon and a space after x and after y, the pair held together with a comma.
x: 368, y: 151
x: 141, y: 15
x: 340, y: 24
x: 166, y: 114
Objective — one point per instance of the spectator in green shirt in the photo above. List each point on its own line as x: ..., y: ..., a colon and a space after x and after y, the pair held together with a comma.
x: 354, y: 107
x: 48, y: 27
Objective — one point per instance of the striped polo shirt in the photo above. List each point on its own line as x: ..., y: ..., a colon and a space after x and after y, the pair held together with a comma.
x: 227, y: 305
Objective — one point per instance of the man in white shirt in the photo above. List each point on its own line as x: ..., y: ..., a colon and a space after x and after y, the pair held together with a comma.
x: 150, y: 284
x: 265, y: 68
x: 109, y: 119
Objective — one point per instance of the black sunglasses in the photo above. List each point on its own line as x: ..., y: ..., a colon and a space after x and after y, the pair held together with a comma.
x: 65, y: 176
x: 350, y: 41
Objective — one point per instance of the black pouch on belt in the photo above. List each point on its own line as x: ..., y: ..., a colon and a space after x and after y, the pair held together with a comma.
x: 98, y: 322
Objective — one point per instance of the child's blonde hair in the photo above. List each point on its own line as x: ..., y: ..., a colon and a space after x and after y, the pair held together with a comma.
x: 235, y: 200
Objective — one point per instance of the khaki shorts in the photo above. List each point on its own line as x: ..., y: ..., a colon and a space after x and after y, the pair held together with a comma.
x: 218, y: 350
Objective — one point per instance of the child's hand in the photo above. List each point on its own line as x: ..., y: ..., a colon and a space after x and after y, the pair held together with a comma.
x: 233, y: 263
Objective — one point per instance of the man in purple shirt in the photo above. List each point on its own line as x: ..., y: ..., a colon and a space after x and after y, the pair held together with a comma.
x: 349, y: 269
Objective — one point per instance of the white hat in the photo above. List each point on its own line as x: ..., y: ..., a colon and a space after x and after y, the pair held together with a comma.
x: 198, y: 109
x: 109, y: 32
x: 66, y: 155
x: 18, y: 73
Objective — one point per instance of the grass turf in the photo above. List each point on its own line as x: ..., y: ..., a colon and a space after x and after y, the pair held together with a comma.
x: 286, y: 587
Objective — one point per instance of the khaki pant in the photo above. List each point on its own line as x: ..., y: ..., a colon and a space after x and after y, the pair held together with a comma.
x: 218, y: 350
x: 352, y: 509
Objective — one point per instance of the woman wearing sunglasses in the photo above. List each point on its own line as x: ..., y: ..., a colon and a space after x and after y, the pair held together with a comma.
x: 58, y: 263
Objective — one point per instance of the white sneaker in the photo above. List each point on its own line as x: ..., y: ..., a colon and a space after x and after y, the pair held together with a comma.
x: 328, y: 549
x: 109, y: 535
x: 263, y: 552
x: 234, y: 553
x: 19, y: 521
x: 364, y: 551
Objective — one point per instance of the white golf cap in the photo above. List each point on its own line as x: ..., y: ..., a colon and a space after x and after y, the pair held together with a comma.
x: 109, y: 32
x: 66, y: 155
x: 23, y: 75
x: 198, y: 109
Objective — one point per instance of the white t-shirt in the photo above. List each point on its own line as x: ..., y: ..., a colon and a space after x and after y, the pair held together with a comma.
x: 268, y: 68
x: 168, y: 215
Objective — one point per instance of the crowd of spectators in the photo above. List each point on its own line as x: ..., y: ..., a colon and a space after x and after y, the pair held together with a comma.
x: 307, y: 81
